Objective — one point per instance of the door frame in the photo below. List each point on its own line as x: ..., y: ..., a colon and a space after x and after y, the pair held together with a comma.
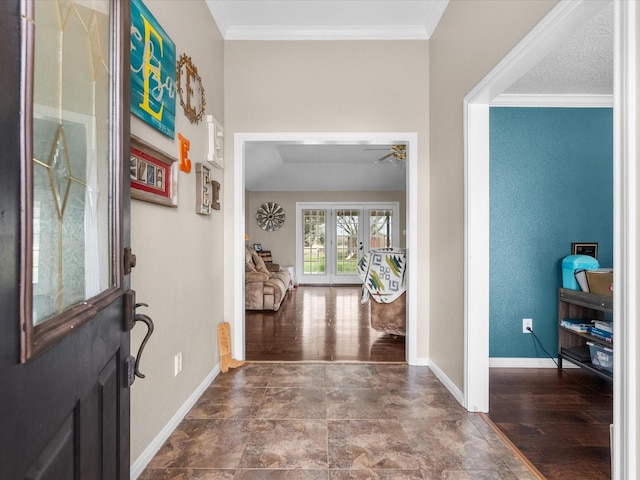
x: 548, y: 33
x: 408, y: 138
x: 365, y: 209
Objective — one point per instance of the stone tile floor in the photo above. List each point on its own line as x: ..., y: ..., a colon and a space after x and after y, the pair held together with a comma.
x: 332, y: 422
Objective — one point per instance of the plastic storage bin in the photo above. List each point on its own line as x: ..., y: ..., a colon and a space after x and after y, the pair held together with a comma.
x: 576, y: 262
x: 601, y: 357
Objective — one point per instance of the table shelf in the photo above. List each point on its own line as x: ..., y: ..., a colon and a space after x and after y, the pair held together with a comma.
x: 586, y: 306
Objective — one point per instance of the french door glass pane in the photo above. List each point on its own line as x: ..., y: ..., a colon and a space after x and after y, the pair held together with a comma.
x: 70, y: 155
x: 380, y: 228
x: 347, y: 241
x: 314, y: 241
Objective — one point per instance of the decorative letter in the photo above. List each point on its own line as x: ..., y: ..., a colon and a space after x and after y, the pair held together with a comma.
x: 185, y: 163
x: 150, y: 69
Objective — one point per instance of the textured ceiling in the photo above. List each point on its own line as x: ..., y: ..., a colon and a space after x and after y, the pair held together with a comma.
x: 582, y: 65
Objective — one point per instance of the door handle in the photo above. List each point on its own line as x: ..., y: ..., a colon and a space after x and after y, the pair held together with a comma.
x: 361, y: 246
x: 132, y: 364
x: 140, y: 317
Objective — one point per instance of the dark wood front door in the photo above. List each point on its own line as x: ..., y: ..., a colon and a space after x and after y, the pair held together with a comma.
x: 64, y: 215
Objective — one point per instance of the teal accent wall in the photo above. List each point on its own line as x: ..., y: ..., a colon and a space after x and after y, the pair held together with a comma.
x: 551, y: 183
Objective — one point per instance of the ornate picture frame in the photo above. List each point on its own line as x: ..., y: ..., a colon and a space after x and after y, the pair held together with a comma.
x: 190, y: 89
x: 153, y: 174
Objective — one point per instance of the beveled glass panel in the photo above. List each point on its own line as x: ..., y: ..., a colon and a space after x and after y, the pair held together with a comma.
x: 71, y: 183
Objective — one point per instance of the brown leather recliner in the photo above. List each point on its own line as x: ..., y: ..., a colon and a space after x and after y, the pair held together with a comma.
x: 263, y: 290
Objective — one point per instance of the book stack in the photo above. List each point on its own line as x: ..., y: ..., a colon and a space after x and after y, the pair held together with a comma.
x: 576, y: 324
x: 602, y: 330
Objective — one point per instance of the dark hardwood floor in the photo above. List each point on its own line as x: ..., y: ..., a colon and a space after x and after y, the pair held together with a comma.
x: 319, y: 324
x: 558, y: 419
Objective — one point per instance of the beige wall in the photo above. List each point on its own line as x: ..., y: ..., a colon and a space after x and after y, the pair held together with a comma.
x: 282, y: 241
x: 179, y: 253
x: 471, y: 38
x: 342, y: 86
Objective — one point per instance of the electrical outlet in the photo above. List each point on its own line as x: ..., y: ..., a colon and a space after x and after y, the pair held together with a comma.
x: 177, y: 364
x: 527, y: 323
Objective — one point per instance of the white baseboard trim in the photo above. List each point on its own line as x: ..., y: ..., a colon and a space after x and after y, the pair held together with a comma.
x: 145, y: 457
x: 419, y: 361
x: 515, y: 362
x: 446, y: 381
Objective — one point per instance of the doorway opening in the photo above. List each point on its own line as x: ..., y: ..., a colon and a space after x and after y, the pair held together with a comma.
x: 564, y: 18
x: 243, y: 141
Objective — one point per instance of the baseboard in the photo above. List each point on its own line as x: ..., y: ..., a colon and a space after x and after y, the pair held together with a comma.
x: 516, y: 362
x: 145, y: 457
x: 419, y: 361
x: 446, y: 381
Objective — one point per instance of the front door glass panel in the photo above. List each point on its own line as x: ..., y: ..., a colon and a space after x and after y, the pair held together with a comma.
x: 71, y: 246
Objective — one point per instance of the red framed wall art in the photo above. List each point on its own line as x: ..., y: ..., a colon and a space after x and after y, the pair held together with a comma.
x: 153, y: 174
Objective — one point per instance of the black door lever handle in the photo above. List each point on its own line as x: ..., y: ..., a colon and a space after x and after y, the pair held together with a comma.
x: 140, y: 317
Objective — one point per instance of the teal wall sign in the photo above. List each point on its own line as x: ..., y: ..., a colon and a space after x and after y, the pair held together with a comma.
x: 153, y: 71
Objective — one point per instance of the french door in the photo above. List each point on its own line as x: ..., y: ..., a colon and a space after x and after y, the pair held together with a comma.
x: 332, y: 237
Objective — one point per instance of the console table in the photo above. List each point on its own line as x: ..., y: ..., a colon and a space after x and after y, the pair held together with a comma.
x: 587, y: 306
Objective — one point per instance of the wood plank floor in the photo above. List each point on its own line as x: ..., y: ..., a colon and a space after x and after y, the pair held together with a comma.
x: 319, y: 324
x: 558, y: 419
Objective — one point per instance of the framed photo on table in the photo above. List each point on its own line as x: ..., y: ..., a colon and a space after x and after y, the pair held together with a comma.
x: 257, y: 247
x: 590, y: 249
x: 153, y: 174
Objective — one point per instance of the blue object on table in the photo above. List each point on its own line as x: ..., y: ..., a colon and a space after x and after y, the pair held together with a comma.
x: 576, y: 262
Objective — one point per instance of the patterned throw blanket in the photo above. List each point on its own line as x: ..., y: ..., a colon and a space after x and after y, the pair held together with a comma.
x: 382, y: 273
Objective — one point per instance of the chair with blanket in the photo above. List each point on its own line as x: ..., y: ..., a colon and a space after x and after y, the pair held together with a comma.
x: 382, y: 272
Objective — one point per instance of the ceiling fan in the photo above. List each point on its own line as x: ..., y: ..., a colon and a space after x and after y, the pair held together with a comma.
x: 397, y: 153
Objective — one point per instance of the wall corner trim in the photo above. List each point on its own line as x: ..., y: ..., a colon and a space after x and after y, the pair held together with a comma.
x: 446, y: 381
x: 138, y: 466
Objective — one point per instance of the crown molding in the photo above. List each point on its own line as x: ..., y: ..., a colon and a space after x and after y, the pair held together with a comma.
x: 344, y: 27
x: 413, y: 32
x: 560, y: 100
